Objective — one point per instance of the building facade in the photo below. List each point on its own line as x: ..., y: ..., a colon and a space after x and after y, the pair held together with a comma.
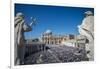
x: 49, y: 38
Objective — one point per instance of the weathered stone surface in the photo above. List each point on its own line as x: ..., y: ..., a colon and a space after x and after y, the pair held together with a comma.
x: 87, y: 29
x: 19, y: 40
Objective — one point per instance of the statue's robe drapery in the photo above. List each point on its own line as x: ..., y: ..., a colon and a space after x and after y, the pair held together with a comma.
x: 19, y: 28
x: 87, y: 29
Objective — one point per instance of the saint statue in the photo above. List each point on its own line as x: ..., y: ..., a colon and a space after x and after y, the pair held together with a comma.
x: 20, y: 27
x: 87, y: 29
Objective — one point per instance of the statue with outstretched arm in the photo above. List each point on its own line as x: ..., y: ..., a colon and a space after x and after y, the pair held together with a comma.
x: 20, y: 27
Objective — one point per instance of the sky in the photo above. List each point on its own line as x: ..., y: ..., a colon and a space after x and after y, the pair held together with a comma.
x: 60, y: 20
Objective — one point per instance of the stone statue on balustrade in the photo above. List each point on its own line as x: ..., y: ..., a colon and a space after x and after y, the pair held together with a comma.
x: 87, y: 29
x: 20, y: 27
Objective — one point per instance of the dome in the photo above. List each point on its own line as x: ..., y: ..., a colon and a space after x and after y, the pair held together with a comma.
x: 48, y: 32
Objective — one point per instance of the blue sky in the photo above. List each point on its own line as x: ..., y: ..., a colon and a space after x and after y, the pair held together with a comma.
x: 59, y: 19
